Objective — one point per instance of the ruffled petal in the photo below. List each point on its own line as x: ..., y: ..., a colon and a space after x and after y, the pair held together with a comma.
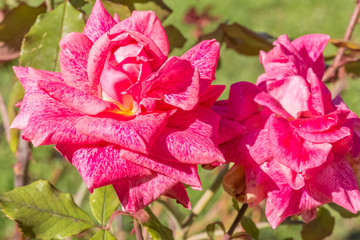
x: 101, y: 164
x: 176, y: 82
x: 185, y: 173
x: 241, y: 100
x: 265, y: 100
x: 75, y: 98
x: 291, y: 150
x: 179, y: 193
x: 99, y: 22
x: 75, y: 48
x: 310, y: 48
x: 204, y: 56
x: 136, y: 193
x: 146, y: 23
x: 337, y: 181
x: 209, y: 97
x: 190, y: 137
x: 137, y: 134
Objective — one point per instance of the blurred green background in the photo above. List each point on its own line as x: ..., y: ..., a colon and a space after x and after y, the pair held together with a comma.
x: 275, y: 17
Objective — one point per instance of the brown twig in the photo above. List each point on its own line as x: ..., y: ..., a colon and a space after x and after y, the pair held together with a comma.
x: 5, y: 118
x: 21, y: 166
x: 331, y: 71
x: 240, y: 214
x: 137, y: 228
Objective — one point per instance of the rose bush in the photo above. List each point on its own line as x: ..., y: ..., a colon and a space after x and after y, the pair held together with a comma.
x: 295, y: 146
x: 122, y: 112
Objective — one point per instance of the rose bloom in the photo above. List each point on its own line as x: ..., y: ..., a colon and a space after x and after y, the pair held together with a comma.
x: 122, y: 112
x: 290, y: 142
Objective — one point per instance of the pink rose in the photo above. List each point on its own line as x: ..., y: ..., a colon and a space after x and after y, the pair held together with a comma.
x: 122, y: 112
x: 297, y: 146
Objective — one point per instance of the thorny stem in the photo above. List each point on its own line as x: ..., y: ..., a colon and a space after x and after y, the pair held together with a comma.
x: 205, y: 199
x: 331, y: 71
x: 240, y: 214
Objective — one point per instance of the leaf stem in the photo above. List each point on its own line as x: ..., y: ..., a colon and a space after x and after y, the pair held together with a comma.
x: 116, y: 213
x: 240, y: 214
x: 5, y: 118
x: 331, y: 71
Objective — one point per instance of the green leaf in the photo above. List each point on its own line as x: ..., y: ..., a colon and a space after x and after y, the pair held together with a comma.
x: 41, y: 45
x: 320, y: 227
x: 103, y: 202
x: 103, y: 235
x: 176, y: 39
x: 250, y: 227
x: 235, y: 204
x: 342, y: 211
x: 210, y: 229
x: 13, y: 28
x: 156, y: 230
x: 241, y: 39
x: 44, y: 212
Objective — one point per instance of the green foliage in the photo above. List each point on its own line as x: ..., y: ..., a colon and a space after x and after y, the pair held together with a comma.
x: 103, y: 235
x: 156, y: 230
x: 42, y: 211
x: 210, y: 229
x: 176, y: 39
x: 103, y: 202
x: 250, y: 227
x: 41, y: 45
x: 321, y: 227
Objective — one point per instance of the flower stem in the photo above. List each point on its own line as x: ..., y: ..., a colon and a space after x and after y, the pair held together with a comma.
x: 240, y: 214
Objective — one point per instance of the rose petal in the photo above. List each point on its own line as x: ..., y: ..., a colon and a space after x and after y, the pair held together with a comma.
x: 264, y: 99
x: 146, y: 23
x: 75, y: 98
x: 338, y: 182
x: 189, y: 137
x: 99, y: 22
x: 75, y: 48
x: 310, y: 48
x: 101, y: 164
x: 209, y: 97
x: 185, y: 173
x: 291, y: 150
x: 137, y: 134
x: 204, y: 56
x: 179, y: 193
x: 136, y: 193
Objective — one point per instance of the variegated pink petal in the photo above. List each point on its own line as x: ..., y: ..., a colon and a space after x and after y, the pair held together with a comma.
x: 136, y: 193
x: 337, y: 181
x: 176, y: 82
x: 146, y: 23
x: 292, y: 93
x: 75, y: 48
x: 241, y: 100
x: 185, y: 173
x: 286, y: 202
x: 179, y: 193
x: 137, y: 134
x: 291, y: 150
x: 209, y: 97
x: 265, y: 100
x: 204, y: 56
x: 228, y: 130
x: 331, y: 136
x: 321, y: 123
x: 310, y: 48
x: 75, y: 98
x: 101, y: 164
x: 320, y: 94
x: 99, y: 22
x: 189, y: 137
